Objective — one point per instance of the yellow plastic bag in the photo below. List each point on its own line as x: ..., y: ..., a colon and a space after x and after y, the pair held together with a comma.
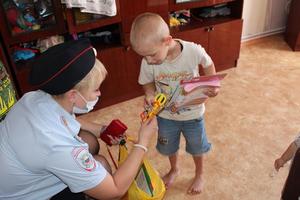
x: 156, y: 183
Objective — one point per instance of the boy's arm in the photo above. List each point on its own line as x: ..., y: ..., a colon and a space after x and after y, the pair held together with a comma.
x: 210, y: 70
x: 286, y: 156
x: 149, y: 90
x: 213, y: 91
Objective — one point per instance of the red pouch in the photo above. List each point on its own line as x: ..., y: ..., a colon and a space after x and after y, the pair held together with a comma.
x: 116, y: 129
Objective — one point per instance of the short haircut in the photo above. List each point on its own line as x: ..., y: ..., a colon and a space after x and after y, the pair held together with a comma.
x: 148, y: 29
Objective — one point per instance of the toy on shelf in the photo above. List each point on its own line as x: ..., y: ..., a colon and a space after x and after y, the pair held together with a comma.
x: 158, y: 104
x: 180, y: 17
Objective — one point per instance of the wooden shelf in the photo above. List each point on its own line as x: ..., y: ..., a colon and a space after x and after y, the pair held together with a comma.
x: 34, y: 35
x: 58, y: 27
x: 173, y: 6
x: 199, y: 23
x: 75, y: 27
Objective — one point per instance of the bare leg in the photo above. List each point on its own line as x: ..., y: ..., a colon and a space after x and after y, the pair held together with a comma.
x: 197, y: 186
x: 174, y: 171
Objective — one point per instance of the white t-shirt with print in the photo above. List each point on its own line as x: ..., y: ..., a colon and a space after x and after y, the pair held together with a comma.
x: 41, y: 153
x: 168, y: 75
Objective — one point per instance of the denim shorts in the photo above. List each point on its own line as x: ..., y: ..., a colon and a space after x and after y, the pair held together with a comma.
x: 169, y: 132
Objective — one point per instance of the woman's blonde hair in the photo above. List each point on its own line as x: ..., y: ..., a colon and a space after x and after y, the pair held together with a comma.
x: 96, y: 73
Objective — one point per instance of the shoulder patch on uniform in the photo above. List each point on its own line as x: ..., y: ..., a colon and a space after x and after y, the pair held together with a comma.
x: 83, y: 158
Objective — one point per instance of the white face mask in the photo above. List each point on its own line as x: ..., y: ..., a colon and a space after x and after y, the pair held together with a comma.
x: 89, y: 106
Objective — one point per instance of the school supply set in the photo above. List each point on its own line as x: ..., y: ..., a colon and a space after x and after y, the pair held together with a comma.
x: 147, y: 185
x: 193, y: 89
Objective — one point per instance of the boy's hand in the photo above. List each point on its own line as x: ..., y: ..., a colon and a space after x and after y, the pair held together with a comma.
x: 211, y: 91
x: 149, y: 100
x: 279, y: 163
x: 174, y: 108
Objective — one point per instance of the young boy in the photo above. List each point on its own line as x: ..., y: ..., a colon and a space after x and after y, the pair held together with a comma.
x: 288, y: 154
x: 166, y: 62
x: 41, y: 153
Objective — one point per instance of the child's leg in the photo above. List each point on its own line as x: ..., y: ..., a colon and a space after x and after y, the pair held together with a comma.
x: 174, y: 171
x: 91, y: 140
x: 196, y: 144
x: 197, y: 186
x: 168, y: 144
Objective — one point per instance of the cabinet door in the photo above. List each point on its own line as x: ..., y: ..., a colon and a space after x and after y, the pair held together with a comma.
x: 113, y: 86
x: 198, y: 35
x: 130, y: 9
x: 121, y: 83
x: 133, y: 63
x: 224, y: 44
x: 292, y: 32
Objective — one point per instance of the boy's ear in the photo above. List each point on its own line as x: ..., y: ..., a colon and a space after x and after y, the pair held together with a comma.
x: 167, y: 40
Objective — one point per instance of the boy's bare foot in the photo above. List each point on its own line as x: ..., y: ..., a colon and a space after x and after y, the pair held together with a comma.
x: 170, y: 177
x: 196, y: 187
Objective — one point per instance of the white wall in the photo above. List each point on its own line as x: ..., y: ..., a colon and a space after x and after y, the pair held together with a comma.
x: 264, y: 17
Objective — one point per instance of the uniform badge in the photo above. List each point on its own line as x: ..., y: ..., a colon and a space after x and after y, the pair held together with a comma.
x: 83, y: 158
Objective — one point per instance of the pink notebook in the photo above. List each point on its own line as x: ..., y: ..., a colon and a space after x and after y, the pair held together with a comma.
x: 203, y: 81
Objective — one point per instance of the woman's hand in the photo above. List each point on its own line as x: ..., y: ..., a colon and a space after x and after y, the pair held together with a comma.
x: 147, y: 130
x: 116, y: 140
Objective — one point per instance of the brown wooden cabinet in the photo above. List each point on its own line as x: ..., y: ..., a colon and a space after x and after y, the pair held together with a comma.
x: 112, y: 87
x: 221, y: 41
x: 224, y: 44
x: 123, y: 67
x: 220, y: 36
x: 292, y: 33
